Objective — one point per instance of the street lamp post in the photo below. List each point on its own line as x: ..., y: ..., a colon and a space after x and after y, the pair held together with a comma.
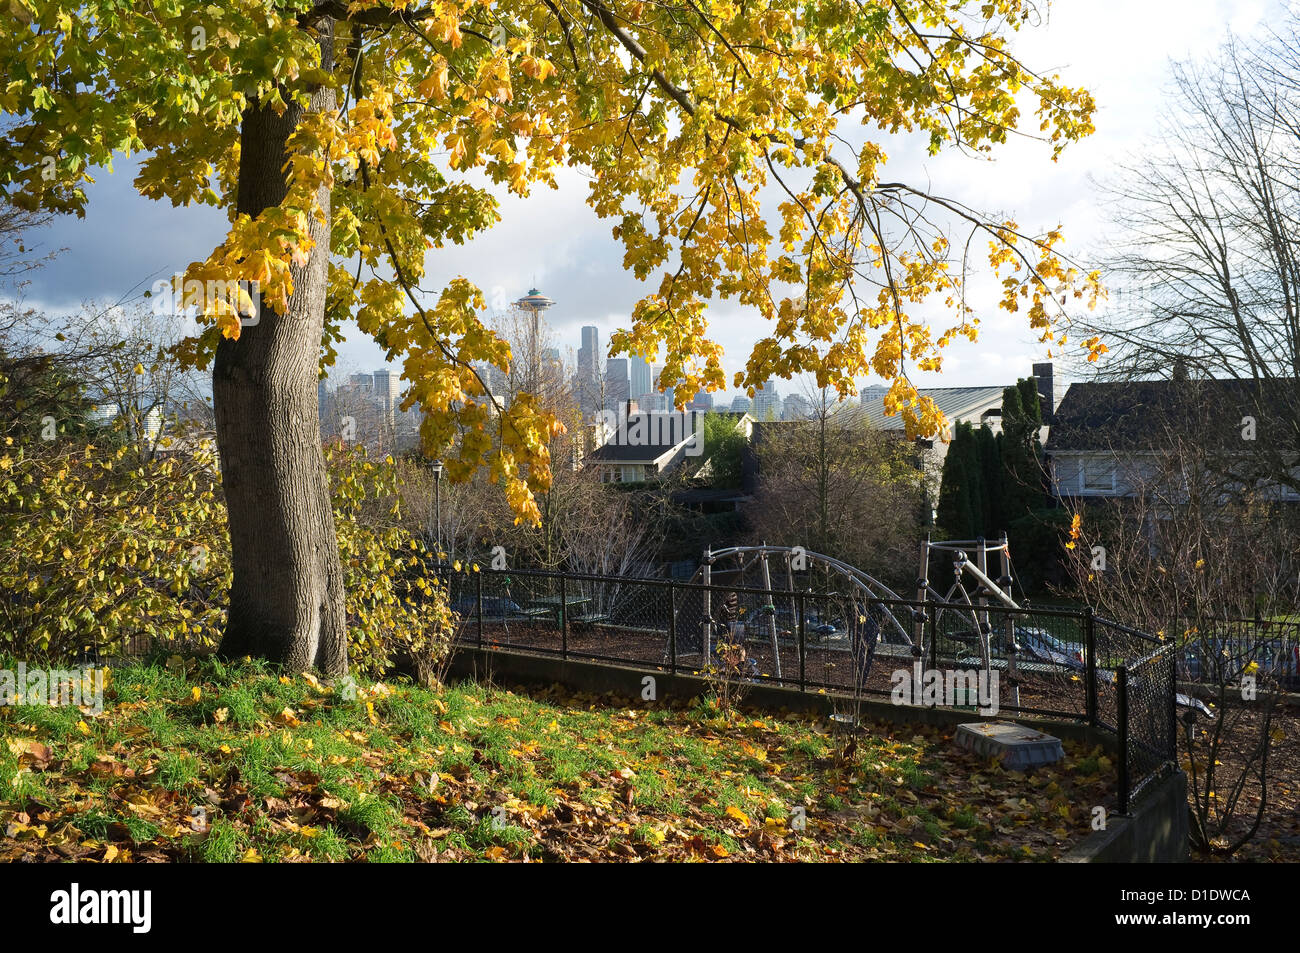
x: 437, y: 506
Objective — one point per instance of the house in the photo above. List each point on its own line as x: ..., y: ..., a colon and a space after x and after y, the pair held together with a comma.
x: 639, y: 447
x: 1108, y: 437
x: 977, y: 406
x: 972, y: 405
x: 960, y: 405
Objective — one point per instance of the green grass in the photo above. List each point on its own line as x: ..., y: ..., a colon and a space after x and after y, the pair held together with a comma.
x: 198, y: 761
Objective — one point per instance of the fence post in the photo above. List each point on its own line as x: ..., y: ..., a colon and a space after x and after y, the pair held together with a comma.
x: 1172, y: 751
x: 928, y: 621
x: 1121, y: 705
x: 564, y: 620
x: 478, y: 576
x: 672, y: 626
x: 1090, y: 666
x: 803, y: 680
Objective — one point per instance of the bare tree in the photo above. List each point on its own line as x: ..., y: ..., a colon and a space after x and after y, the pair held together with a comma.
x: 129, y: 365
x: 1206, y: 254
x: 20, y: 250
x: 834, y: 485
x: 536, y: 369
x: 1192, y: 555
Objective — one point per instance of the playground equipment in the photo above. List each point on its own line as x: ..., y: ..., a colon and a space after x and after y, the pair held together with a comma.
x: 867, y: 611
x: 958, y: 599
x: 859, y: 616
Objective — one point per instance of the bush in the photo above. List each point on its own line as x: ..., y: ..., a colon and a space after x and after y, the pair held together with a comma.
x: 97, y: 553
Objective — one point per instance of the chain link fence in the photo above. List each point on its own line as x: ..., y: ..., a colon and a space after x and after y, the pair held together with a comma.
x: 1144, y: 691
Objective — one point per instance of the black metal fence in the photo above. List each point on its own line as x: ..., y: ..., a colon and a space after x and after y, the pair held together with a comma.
x: 1060, y: 663
x: 1146, y: 721
x: 1219, y: 651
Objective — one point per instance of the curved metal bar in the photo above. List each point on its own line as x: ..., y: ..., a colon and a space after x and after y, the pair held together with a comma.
x: 873, y: 588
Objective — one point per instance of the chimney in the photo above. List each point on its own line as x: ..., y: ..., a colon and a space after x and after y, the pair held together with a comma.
x: 1046, y: 390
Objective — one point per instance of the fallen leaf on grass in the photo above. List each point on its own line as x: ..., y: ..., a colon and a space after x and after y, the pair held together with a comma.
x: 31, y: 753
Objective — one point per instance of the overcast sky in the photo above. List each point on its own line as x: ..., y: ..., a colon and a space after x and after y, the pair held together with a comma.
x: 1119, y: 49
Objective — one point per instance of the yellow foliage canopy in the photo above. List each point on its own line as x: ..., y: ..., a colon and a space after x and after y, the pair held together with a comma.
x: 685, y: 114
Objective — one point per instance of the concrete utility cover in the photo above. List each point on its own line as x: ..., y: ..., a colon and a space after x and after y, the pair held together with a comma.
x: 1018, y: 747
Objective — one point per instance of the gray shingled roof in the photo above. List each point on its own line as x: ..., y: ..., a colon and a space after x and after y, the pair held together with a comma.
x: 953, y: 402
x: 1145, y: 415
x: 621, y: 450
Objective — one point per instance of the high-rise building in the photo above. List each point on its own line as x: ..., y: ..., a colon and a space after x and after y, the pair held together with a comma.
x: 617, y: 385
x: 872, y: 393
x: 387, y: 390
x: 589, y: 354
x: 587, y: 380
x: 702, y: 401
x: 641, y: 381
x: 665, y: 402
x: 362, y: 382
x: 797, y: 407
x: 767, y: 402
x: 740, y: 405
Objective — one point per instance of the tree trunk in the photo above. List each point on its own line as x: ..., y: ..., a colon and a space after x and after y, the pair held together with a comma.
x: 287, y: 598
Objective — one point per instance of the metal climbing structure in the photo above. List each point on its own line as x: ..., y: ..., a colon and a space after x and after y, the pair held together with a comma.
x: 843, y: 606
x: 846, y: 608
x: 960, y: 598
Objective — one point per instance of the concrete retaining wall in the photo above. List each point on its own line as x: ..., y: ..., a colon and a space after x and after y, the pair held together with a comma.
x: 1156, y: 833
x: 512, y: 668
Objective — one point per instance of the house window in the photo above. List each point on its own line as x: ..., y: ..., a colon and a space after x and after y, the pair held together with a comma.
x: 1098, y: 475
x: 612, y: 475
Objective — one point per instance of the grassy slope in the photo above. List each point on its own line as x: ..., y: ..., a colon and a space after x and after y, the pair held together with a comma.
x: 195, y: 761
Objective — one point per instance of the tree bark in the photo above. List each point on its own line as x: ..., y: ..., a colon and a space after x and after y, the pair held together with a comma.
x: 287, y: 597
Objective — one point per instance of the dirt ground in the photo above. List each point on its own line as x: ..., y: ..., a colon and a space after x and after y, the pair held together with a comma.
x: 823, y: 666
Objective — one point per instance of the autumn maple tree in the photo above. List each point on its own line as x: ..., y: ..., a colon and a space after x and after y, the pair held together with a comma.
x: 730, y: 143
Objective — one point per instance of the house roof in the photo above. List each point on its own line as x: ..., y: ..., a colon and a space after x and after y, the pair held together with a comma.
x: 645, y: 437
x: 1144, y: 415
x: 955, y: 403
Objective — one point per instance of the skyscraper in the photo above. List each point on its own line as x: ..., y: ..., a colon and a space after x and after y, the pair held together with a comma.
x: 797, y: 407
x: 767, y: 402
x: 588, y: 377
x: 387, y: 389
x: 616, y: 383
x: 641, y: 381
x: 589, y: 355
